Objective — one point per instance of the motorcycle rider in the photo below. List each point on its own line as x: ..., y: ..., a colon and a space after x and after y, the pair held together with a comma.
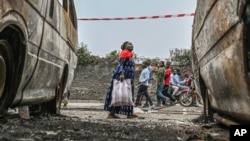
x: 176, y: 84
x: 187, y: 80
x: 173, y: 86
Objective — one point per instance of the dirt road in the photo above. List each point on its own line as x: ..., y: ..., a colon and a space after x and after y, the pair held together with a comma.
x: 86, y: 120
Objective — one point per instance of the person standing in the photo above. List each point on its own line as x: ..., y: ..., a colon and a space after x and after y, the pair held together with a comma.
x: 167, y: 80
x: 143, y: 85
x: 150, y: 72
x: 160, y: 83
x: 124, y: 70
x: 149, y: 82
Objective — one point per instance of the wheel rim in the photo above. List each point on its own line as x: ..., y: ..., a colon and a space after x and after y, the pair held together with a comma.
x: 2, y: 75
x: 186, y: 99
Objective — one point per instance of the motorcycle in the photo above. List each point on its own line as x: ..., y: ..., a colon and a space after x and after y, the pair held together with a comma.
x: 186, y: 97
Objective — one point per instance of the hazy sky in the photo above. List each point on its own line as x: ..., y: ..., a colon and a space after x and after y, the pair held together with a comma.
x: 151, y: 37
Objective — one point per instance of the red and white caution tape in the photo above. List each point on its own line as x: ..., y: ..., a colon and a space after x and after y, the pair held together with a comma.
x: 137, y: 18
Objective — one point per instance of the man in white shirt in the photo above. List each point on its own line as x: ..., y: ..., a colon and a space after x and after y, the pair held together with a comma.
x: 143, y: 87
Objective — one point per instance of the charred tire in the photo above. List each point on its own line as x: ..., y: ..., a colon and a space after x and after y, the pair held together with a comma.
x: 186, y: 99
x: 6, y: 65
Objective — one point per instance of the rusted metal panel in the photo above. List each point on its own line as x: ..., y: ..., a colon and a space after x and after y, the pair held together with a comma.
x: 220, y: 55
x: 49, y: 46
x: 27, y: 18
x: 35, y: 22
x: 70, y: 31
x: 52, y: 59
x: 54, y: 55
x: 53, y: 16
x: 31, y: 11
x: 71, y: 25
x: 38, y: 5
x: 220, y: 19
x: 7, y: 5
x: 202, y: 10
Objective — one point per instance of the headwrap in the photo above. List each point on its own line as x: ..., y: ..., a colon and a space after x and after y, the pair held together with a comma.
x: 126, y: 54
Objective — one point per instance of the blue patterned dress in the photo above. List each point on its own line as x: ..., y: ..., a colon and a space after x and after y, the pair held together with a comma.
x: 126, y: 66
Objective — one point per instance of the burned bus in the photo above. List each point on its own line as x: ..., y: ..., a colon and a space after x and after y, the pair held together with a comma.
x: 38, y: 40
x: 221, y: 59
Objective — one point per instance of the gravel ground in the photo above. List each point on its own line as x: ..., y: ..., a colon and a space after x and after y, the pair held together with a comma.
x: 86, y: 120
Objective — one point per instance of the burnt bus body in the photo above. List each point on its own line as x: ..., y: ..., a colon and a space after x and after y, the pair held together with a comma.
x: 38, y: 39
x: 221, y: 58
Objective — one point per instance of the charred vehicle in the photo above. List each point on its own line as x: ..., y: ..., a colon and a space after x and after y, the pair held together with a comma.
x: 221, y: 59
x: 38, y: 39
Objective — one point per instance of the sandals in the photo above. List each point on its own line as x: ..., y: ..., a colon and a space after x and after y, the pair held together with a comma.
x: 158, y: 105
x: 132, y: 116
x: 167, y: 101
x: 113, y: 116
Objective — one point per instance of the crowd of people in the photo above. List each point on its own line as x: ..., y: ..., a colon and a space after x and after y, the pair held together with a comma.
x: 168, y: 83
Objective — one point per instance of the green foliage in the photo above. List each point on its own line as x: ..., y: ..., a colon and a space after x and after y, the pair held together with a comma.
x: 181, y: 58
x: 112, y: 56
x: 86, y: 58
x: 155, y: 61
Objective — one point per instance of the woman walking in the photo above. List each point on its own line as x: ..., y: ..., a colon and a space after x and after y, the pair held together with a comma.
x: 124, y: 70
x: 160, y: 84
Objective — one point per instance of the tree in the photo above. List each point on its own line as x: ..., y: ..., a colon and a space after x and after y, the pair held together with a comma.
x: 85, y: 57
x: 112, y: 56
x: 181, y: 58
x: 155, y: 61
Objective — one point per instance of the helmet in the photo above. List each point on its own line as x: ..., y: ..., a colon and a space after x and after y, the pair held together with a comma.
x: 186, y: 74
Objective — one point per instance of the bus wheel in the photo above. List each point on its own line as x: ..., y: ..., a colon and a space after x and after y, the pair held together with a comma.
x: 5, y: 75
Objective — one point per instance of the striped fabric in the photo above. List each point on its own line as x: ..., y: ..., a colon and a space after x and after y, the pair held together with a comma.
x: 127, y: 66
x: 122, y: 93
